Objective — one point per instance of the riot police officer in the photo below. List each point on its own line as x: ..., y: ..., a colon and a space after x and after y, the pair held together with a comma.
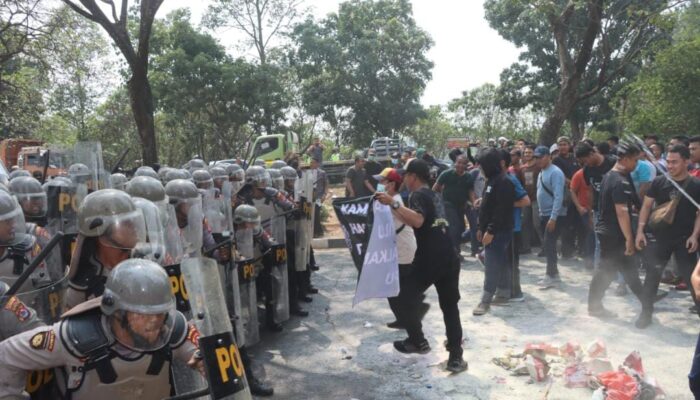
x: 146, y: 171
x: 116, y: 346
x: 32, y: 198
x: 119, y: 181
x: 173, y: 174
x: 110, y: 227
x: 202, y: 179
x: 15, y: 317
x: 290, y: 177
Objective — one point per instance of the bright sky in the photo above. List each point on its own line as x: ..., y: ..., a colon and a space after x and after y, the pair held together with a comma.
x: 467, y: 52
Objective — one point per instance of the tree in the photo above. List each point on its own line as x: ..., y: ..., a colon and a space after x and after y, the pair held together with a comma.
x: 135, y: 51
x: 432, y: 131
x: 478, y: 114
x: 574, y: 50
x: 365, y: 67
x: 260, y: 21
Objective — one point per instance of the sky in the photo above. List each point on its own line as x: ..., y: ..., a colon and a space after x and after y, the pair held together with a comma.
x: 466, y: 53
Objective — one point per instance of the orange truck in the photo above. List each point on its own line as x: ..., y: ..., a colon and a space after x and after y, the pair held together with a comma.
x: 29, y: 154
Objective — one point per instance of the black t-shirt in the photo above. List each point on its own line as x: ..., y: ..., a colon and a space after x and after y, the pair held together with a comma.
x: 432, y: 238
x: 662, y: 191
x: 567, y: 165
x: 594, y: 177
x: 616, y: 188
x: 357, y: 180
x: 373, y: 168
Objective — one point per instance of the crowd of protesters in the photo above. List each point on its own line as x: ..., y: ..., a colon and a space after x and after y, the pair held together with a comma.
x: 626, y: 209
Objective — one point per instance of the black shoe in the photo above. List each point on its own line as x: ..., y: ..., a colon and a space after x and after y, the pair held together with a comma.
x: 407, y: 347
x: 643, y: 321
x: 306, y: 299
x: 274, y: 327
x: 456, y: 364
x: 660, y: 295
x: 259, y: 388
x: 314, y: 267
x: 395, y: 325
x: 312, y: 290
x: 299, y: 312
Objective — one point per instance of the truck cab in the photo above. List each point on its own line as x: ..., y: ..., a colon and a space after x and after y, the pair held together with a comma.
x: 274, y: 147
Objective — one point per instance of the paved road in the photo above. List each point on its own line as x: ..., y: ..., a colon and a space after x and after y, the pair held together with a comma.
x: 343, y: 353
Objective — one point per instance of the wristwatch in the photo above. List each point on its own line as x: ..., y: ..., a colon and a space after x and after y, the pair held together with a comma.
x: 395, y: 205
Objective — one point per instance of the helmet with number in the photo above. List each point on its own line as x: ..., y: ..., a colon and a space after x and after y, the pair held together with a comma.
x: 111, y: 214
x: 146, y: 171
x: 147, y: 188
x: 12, y: 228
x: 30, y: 195
x: 258, y: 177
x: 246, y: 214
x: 196, y: 164
x: 119, y: 181
x: 277, y: 179
x: 202, y: 179
x: 278, y: 164
x: 176, y: 174
x: 18, y: 173
x: 139, y: 303
x: 289, y: 174
x: 235, y: 172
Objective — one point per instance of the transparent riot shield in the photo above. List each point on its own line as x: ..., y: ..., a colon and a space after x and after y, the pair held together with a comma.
x: 248, y: 290
x: 214, y: 208
x: 218, y: 347
x: 154, y: 249
x: 47, y: 301
x: 279, y: 274
x: 304, y: 188
x: 62, y: 214
x: 96, y: 177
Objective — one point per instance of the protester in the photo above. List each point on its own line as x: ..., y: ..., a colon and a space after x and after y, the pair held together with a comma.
x: 356, y: 182
x: 678, y: 236
x: 315, y: 151
x: 581, y: 198
x: 618, y: 199
x: 532, y: 236
x: 320, y: 193
x: 456, y: 187
x: 566, y: 162
x: 434, y: 264
x: 550, y: 197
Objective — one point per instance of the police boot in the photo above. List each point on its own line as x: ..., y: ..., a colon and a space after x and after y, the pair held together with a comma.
x: 259, y: 388
x: 270, y: 318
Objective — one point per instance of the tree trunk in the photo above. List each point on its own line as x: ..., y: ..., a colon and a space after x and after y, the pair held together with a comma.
x: 142, y: 108
x: 576, y: 131
x: 562, y: 109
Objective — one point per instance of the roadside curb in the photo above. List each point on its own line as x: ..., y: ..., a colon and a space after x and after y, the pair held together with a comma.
x: 328, y: 243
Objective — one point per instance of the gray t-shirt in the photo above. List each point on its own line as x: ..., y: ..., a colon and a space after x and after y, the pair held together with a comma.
x: 316, y: 152
x: 357, y: 180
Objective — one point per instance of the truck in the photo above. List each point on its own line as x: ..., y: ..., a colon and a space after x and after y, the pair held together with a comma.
x: 33, y: 159
x: 10, y: 149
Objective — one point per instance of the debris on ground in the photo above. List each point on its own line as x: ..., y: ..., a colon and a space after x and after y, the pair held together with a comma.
x: 583, y: 369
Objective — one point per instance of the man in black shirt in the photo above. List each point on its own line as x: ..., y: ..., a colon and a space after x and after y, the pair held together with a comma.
x: 435, y: 263
x: 568, y: 165
x: 614, y: 227
x: 680, y: 238
x: 356, y: 182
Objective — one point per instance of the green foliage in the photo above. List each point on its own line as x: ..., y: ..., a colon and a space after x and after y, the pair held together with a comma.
x: 432, y: 131
x: 364, y: 69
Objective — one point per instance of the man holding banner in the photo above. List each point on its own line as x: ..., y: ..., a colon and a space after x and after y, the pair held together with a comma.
x: 435, y: 263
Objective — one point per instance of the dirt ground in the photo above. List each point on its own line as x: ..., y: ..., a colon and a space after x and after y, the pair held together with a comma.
x: 343, y: 353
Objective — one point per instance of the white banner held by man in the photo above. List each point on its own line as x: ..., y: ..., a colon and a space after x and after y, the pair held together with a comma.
x: 380, y: 270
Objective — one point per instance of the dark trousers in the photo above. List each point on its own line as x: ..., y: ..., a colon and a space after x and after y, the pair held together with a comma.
x: 661, y: 251
x: 265, y: 286
x: 569, y: 231
x: 395, y: 302
x: 455, y: 218
x: 612, y: 261
x: 550, y: 244
x: 509, y: 285
x: 527, y: 232
x: 318, y: 227
x: 413, y: 287
x: 694, y: 375
x: 496, y: 262
x: 587, y: 241
x: 473, y: 219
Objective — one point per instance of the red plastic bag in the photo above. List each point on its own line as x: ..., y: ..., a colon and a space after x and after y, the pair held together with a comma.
x: 634, y: 361
x: 618, y: 385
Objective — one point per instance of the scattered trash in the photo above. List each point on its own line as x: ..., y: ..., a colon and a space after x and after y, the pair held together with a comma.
x: 499, y: 380
x: 368, y: 324
x: 580, y: 369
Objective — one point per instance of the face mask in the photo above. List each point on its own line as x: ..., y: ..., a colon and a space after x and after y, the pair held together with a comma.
x: 394, y: 161
x: 381, y: 188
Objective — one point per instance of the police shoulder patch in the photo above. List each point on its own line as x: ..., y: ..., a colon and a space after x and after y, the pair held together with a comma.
x: 15, y: 306
x: 43, y: 340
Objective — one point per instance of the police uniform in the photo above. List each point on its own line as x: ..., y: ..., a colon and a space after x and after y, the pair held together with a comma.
x: 15, y: 316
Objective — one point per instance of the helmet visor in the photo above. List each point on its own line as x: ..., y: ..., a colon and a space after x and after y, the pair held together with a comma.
x: 142, y: 332
x: 125, y: 231
x: 33, y: 204
x: 189, y: 216
x: 12, y: 227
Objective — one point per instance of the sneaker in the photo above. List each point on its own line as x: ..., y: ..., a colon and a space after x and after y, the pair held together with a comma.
x: 601, y: 312
x: 621, y: 290
x: 549, y: 282
x: 259, y: 388
x: 456, y: 364
x: 481, y: 309
x: 681, y: 286
x: 517, y: 299
x: 500, y: 301
x: 643, y: 321
x: 395, y: 325
x: 407, y: 347
x: 660, y: 295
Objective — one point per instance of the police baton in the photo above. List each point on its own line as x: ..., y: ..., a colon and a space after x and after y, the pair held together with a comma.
x: 210, y: 252
x: 30, y: 269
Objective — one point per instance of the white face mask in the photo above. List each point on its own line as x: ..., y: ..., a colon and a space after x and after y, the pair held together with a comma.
x: 381, y: 188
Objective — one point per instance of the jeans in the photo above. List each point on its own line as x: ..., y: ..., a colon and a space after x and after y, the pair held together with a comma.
x: 660, y: 252
x: 536, y: 223
x: 455, y: 218
x: 473, y: 218
x: 413, y: 287
x: 612, y: 261
x: 550, y: 245
x: 497, y: 264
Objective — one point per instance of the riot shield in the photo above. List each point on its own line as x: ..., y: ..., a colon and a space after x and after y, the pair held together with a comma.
x: 279, y: 274
x: 248, y: 290
x: 222, y: 360
x: 47, y: 301
x: 304, y: 188
x: 214, y: 208
x: 97, y: 177
x: 154, y: 249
